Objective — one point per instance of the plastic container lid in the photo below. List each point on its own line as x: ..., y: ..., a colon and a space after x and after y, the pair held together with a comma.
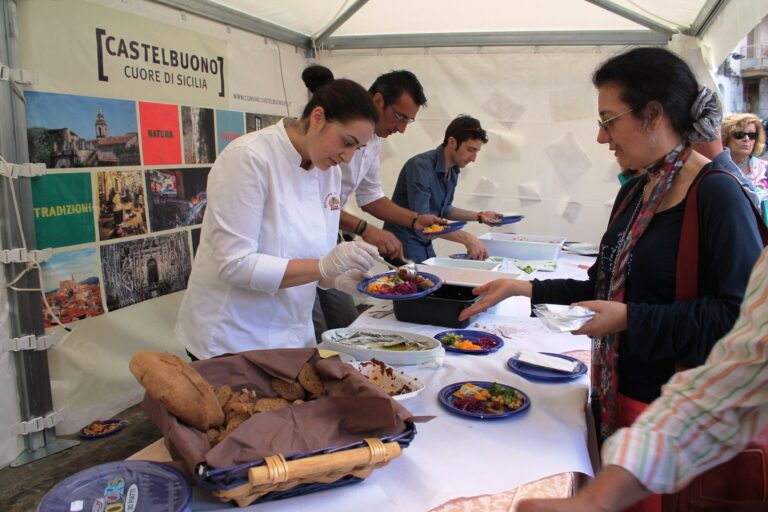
x: 128, y: 486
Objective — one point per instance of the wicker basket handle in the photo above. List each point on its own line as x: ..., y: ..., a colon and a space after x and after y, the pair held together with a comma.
x: 277, y: 470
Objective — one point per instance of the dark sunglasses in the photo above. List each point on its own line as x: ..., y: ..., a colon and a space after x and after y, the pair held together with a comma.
x: 741, y: 135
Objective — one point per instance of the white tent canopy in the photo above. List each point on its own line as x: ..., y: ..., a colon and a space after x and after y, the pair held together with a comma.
x: 355, y: 24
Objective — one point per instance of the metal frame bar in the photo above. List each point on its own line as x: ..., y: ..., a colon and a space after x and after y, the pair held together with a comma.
x: 706, y: 16
x: 320, y: 38
x: 633, y: 16
x: 241, y: 20
x: 577, y: 38
x: 24, y: 308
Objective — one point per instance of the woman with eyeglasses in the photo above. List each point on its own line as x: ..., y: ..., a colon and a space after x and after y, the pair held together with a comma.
x: 269, y: 232
x: 651, y: 110
x: 745, y: 136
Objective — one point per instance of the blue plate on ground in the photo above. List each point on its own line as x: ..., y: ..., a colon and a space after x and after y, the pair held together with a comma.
x: 449, y: 228
x: 362, y: 287
x: 108, y: 427
x: 446, y: 398
x: 122, y: 485
x: 471, y: 336
x: 507, y: 219
x: 539, y: 374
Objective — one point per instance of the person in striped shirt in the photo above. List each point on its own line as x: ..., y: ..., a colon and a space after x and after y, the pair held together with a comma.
x: 704, y: 417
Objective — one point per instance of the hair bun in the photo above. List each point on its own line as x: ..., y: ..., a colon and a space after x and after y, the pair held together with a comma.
x: 316, y: 76
x: 707, y: 115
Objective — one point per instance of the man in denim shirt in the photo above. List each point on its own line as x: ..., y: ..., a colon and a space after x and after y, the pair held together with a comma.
x: 427, y: 183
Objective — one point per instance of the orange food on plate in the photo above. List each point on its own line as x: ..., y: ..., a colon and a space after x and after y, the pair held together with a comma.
x: 434, y: 228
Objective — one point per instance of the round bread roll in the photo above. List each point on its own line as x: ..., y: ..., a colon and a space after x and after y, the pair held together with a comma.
x: 185, y: 392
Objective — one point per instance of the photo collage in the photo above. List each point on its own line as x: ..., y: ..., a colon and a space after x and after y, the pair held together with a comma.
x: 124, y: 196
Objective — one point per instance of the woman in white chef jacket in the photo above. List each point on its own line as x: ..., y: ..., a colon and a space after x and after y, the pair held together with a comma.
x: 269, y: 232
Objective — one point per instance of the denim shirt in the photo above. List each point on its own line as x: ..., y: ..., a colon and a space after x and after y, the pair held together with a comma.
x: 424, y: 187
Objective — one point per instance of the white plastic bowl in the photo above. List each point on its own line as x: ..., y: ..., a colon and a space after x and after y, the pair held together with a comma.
x: 390, y: 379
x: 394, y: 357
x: 523, y: 247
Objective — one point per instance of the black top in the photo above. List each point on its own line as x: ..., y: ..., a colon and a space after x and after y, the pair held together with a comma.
x: 662, y: 332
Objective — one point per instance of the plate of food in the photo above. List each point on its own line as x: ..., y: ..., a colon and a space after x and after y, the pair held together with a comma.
x: 391, y: 347
x: 466, y: 341
x: 400, y: 285
x: 324, y: 353
x: 442, y: 229
x: 507, y: 219
x: 396, y: 383
x: 101, y: 428
x: 483, y: 400
x: 541, y: 373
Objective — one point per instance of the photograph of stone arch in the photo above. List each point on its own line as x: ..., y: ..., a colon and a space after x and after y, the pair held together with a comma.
x: 145, y: 269
x: 198, y: 134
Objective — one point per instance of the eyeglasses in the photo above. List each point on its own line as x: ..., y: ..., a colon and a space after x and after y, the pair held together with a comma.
x: 741, y: 135
x: 605, y: 125
x: 402, y: 118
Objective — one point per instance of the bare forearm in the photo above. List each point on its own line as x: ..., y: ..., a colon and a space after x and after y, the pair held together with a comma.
x: 462, y: 214
x: 388, y: 211
x: 348, y: 222
x: 300, y: 272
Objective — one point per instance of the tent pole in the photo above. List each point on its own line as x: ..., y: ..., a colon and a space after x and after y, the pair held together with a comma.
x: 24, y: 308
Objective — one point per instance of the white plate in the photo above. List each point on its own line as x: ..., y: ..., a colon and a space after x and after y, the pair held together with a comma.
x: 395, y: 357
x: 583, y: 249
x: 534, y: 265
x: 390, y: 380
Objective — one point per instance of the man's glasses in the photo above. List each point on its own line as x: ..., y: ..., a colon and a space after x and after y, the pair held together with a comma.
x: 402, y: 118
x: 741, y: 135
x: 605, y: 125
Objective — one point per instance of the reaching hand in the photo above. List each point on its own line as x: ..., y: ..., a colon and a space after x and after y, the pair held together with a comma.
x: 387, y: 243
x: 487, y: 217
x: 475, y: 247
x: 355, y: 255
x: 348, y: 281
x: 424, y: 220
x: 611, y: 317
x: 495, y: 292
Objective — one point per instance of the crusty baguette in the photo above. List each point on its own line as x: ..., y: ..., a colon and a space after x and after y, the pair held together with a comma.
x: 185, y: 392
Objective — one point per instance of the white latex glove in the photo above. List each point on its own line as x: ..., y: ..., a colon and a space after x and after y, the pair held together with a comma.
x: 357, y: 255
x: 348, y: 281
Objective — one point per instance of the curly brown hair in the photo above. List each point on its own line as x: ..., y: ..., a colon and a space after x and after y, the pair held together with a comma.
x: 739, y: 122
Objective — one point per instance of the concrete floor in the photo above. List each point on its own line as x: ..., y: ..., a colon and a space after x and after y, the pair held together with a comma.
x: 22, y: 488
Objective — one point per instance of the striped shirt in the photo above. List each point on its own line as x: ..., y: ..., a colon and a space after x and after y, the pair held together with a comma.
x: 708, y: 414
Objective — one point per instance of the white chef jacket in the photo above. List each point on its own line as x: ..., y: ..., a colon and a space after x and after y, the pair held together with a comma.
x: 362, y: 175
x: 263, y: 210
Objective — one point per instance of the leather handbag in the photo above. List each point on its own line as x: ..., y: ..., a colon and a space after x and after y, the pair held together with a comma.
x: 741, y: 484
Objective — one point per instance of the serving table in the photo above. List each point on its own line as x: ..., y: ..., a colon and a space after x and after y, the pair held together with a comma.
x: 457, y: 463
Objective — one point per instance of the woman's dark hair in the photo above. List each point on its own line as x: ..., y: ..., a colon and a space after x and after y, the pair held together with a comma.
x: 343, y: 100
x: 392, y: 85
x: 464, y: 128
x: 316, y: 76
x: 652, y: 74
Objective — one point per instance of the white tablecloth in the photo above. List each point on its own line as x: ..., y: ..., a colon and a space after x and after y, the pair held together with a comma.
x: 453, y: 456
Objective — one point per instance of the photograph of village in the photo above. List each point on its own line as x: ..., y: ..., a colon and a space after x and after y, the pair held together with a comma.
x: 176, y: 197
x: 138, y: 270
x: 66, y: 131
x: 71, y: 287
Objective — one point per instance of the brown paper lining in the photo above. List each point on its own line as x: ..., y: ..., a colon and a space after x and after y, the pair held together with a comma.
x: 350, y: 410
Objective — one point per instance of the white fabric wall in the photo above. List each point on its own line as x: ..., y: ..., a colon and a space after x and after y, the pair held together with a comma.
x: 539, y: 107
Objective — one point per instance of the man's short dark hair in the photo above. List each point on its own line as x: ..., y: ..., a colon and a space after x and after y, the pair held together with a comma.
x: 464, y: 128
x: 392, y: 85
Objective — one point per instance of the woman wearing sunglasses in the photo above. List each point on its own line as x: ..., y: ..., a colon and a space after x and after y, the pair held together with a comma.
x: 745, y: 136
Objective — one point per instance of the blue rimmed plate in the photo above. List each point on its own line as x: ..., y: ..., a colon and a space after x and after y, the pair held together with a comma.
x: 362, y: 287
x: 449, y: 228
x: 447, y: 400
x: 101, y: 428
x: 471, y: 336
x: 540, y: 374
x: 507, y: 219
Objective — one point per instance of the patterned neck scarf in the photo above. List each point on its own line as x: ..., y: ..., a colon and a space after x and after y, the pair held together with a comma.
x: 605, y: 353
